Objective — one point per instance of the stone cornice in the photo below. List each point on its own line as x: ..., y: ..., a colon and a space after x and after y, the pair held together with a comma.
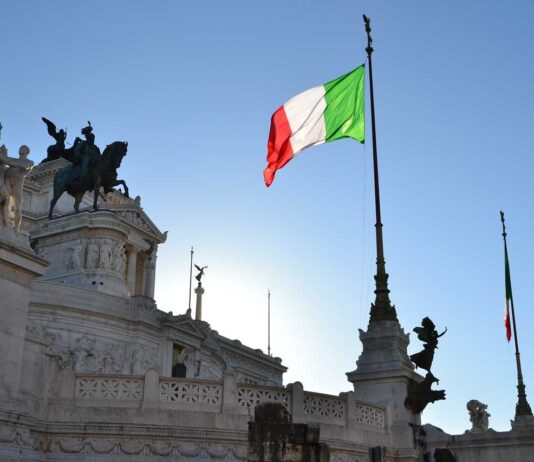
x: 47, y: 168
x: 250, y: 353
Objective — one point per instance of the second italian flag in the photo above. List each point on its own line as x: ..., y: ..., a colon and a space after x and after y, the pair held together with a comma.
x: 321, y: 114
x: 508, y: 287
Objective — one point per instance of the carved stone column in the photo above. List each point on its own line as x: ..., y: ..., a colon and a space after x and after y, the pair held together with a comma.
x: 131, y: 271
x: 140, y: 274
x: 150, y: 274
x: 199, y: 291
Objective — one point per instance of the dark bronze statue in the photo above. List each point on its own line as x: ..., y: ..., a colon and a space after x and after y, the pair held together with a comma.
x: 57, y: 150
x: 429, y: 335
x: 85, y: 153
x: 420, y: 393
x: 89, y: 171
x: 198, y: 277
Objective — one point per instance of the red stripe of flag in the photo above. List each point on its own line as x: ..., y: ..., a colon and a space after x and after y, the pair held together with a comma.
x: 507, y: 325
x: 279, y: 149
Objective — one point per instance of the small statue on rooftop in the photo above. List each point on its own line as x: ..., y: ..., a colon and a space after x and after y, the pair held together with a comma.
x: 57, y: 150
x: 478, y: 415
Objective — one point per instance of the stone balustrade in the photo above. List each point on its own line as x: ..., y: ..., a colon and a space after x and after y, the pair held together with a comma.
x: 109, y: 387
x: 226, y: 397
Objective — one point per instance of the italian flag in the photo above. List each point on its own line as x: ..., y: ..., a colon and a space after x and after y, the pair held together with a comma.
x: 321, y: 114
x: 508, y: 284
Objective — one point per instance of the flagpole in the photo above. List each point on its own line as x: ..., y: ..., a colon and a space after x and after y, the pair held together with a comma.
x: 381, y: 310
x: 522, y: 408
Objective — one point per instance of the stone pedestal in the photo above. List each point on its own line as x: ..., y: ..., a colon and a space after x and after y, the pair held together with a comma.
x: 522, y: 423
x: 272, y: 437
x: 383, y: 372
x: 86, y: 250
x: 19, y: 265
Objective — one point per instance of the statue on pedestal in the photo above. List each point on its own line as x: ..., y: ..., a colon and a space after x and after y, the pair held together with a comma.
x: 430, y: 336
x: 12, y: 173
x: 198, y: 277
x: 420, y: 393
x: 90, y: 170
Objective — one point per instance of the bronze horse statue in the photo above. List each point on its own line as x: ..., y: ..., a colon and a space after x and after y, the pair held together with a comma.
x: 99, y: 172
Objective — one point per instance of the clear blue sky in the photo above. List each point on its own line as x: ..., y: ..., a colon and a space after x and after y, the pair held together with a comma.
x: 192, y: 86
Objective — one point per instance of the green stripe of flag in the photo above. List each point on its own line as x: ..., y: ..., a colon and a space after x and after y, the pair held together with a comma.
x: 508, y: 282
x: 345, y: 106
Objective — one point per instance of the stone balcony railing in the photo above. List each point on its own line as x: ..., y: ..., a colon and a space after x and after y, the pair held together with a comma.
x: 227, y: 396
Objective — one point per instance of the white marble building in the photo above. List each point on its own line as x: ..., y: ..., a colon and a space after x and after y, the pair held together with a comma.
x: 92, y: 370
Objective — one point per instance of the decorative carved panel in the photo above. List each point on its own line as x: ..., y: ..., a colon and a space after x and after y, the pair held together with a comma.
x: 248, y: 396
x: 370, y: 415
x: 325, y: 406
x: 181, y: 391
x: 120, y: 389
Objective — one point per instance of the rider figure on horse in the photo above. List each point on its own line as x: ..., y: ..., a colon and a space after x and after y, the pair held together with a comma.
x: 86, y: 153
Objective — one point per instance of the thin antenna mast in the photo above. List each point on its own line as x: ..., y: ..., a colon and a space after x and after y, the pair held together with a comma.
x: 269, y: 322
x: 190, y: 278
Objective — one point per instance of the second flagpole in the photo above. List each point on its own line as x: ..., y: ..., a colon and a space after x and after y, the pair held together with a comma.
x: 522, y: 408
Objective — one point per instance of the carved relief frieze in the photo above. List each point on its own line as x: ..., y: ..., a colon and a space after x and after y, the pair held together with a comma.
x: 139, y: 445
x: 343, y: 456
x: 72, y: 438
x: 82, y: 353
x: 142, y: 302
x: 74, y: 256
x: 135, y: 218
x: 37, y: 333
x: 117, y: 198
x: 16, y: 276
x: 94, y: 254
x: 80, y: 233
x: 244, y: 362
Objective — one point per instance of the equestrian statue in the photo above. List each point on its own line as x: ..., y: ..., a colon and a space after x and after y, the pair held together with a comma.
x: 89, y: 171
